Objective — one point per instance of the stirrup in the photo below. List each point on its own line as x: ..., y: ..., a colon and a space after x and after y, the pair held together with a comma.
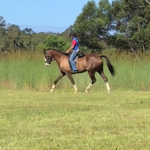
x: 74, y: 71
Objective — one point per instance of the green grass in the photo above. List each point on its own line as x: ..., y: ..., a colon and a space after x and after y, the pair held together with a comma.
x: 27, y: 70
x: 33, y: 120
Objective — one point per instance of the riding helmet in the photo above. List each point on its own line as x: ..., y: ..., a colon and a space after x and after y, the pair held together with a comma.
x: 72, y: 33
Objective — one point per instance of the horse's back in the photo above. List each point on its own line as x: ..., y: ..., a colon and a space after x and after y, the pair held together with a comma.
x: 83, y: 63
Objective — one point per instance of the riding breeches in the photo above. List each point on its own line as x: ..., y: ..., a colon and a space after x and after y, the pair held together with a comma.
x: 72, y: 58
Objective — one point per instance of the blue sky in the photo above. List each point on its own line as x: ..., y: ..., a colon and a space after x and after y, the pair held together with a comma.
x: 42, y: 15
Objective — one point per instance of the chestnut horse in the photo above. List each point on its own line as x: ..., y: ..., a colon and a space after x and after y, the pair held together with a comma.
x: 91, y: 63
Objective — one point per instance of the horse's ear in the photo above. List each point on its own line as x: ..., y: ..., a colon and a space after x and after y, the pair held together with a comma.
x: 44, y: 50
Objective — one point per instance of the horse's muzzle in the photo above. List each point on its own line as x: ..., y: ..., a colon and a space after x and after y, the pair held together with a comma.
x: 47, y: 65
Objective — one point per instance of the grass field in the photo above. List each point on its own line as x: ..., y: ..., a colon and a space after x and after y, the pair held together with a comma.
x: 33, y: 120
x: 27, y: 71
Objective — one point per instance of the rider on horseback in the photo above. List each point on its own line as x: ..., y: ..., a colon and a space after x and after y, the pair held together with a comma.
x: 74, y: 49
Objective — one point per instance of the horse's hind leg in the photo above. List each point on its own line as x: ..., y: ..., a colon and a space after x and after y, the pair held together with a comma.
x: 93, y: 80
x: 105, y: 79
x: 56, y: 80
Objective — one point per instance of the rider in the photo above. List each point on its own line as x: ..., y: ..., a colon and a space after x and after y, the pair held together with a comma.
x: 74, y: 50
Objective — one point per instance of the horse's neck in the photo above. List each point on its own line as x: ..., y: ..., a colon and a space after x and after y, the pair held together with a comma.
x: 56, y: 55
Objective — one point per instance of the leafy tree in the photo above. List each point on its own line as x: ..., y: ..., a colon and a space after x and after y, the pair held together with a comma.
x: 2, y: 22
x: 2, y: 33
x: 148, y: 2
x: 28, y: 39
x: 86, y: 25
x: 93, y: 24
x: 132, y: 23
x: 56, y: 42
x: 129, y: 19
x: 13, y: 37
x: 39, y: 40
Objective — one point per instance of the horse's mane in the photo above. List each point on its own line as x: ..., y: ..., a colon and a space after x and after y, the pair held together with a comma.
x: 66, y: 54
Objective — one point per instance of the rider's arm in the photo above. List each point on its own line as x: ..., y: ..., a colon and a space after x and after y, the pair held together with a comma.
x: 70, y: 49
x: 72, y: 46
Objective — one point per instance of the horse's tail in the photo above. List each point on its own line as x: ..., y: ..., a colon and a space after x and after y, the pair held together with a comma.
x: 109, y: 65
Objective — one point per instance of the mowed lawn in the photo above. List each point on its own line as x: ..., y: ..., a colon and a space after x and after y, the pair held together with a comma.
x: 33, y: 120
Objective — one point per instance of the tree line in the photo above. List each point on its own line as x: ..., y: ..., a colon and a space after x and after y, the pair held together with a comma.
x: 122, y: 24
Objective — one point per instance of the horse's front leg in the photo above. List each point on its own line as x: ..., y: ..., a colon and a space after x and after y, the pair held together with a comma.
x: 62, y: 74
x: 72, y: 81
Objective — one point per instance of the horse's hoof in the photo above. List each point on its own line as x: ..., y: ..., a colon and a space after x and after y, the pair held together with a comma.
x: 108, y: 92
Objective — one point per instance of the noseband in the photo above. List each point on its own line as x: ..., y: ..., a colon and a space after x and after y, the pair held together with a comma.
x: 49, y: 59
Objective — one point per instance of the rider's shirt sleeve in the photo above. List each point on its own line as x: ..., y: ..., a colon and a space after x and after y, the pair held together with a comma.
x: 74, y: 42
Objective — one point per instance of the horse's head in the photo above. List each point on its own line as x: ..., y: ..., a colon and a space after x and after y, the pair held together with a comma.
x: 47, y: 58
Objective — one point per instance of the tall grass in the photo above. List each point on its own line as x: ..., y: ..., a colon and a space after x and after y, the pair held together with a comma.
x: 26, y: 70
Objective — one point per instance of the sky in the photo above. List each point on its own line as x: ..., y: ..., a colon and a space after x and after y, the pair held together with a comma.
x: 42, y: 15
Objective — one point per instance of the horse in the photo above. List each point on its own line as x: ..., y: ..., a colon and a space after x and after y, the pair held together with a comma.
x: 91, y: 63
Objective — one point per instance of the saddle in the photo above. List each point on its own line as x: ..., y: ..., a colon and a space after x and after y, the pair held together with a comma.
x: 79, y: 55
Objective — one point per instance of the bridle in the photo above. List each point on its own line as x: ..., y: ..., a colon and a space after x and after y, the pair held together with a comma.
x: 48, y: 59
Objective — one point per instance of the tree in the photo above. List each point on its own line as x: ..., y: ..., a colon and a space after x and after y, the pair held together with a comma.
x: 85, y: 25
x: 28, y: 36
x: 2, y: 32
x: 57, y: 43
x: 148, y: 2
x: 13, y: 37
x: 93, y: 24
x: 2, y: 22
x: 132, y: 22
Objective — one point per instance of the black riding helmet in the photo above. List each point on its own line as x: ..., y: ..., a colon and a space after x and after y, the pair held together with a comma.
x: 72, y: 33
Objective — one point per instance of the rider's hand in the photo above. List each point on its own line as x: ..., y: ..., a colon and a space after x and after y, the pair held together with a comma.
x: 67, y: 51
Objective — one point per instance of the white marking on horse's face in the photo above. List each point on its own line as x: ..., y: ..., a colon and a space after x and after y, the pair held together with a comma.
x: 47, y: 65
x: 46, y: 62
